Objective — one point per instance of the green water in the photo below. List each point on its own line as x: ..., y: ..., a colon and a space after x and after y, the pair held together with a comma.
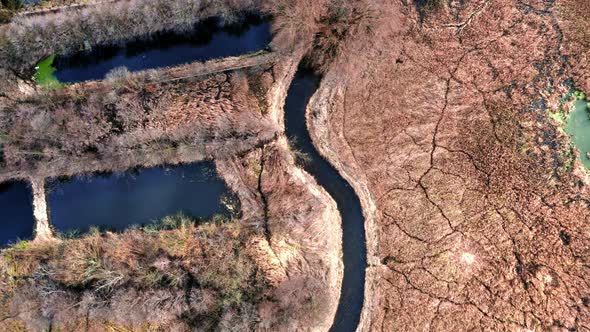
x: 44, y: 75
x: 578, y: 128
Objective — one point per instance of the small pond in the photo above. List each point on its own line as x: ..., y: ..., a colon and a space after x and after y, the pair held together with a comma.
x: 578, y: 127
x: 209, y: 40
x: 16, y: 203
x: 138, y: 197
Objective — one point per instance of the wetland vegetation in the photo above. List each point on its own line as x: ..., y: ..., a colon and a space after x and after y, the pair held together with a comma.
x: 164, y: 275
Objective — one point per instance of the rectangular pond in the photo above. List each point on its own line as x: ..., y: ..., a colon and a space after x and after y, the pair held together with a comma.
x: 208, y: 40
x: 16, y: 216
x: 136, y: 197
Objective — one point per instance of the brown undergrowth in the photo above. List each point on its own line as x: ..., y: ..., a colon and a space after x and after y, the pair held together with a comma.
x: 67, y: 130
x: 296, y: 227
x: 174, y: 275
x: 442, y: 118
x: 287, y: 242
x: 573, y: 17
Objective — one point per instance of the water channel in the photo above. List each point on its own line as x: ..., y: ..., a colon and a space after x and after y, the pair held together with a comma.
x: 117, y: 201
x: 16, y: 204
x: 349, y: 309
x: 208, y: 40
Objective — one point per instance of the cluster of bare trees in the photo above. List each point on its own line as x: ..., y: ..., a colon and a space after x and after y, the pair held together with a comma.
x: 27, y: 39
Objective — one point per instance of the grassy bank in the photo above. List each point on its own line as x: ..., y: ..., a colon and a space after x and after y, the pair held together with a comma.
x: 174, y: 274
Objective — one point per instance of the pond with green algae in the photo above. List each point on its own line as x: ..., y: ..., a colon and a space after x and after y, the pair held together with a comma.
x: 578, y: 128
x: 45, y: 74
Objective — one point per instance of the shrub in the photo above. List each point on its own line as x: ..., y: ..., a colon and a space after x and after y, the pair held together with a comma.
x: 117, y: 75
x: 341, y: 20
x: 5, y: 15
x: 426, y: 6
x: 13, y: 4
x: 183, y: 274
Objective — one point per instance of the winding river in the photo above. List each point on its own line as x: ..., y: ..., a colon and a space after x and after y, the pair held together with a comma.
x: 349, y: 309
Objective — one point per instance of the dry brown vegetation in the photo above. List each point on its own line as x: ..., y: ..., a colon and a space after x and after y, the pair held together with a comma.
x: 574, y: 13
x: 478, y: 224
x: 341, y: 20
x: 274, y: 269
x: 297, y: 232
x: 292, y: 236
x: 63, y: 131
x: 172, y: 276
x: 573, y: 16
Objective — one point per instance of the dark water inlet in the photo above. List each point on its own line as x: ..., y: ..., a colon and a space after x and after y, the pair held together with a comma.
x: 349, y: 309
x: 208, y: 40
x: 117, y: 201
x: 16, y: 206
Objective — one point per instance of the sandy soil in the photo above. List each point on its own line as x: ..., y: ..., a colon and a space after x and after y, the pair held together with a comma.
x: 438, y: 122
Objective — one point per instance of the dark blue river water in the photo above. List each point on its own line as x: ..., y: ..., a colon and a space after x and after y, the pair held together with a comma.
x: 117, y: 201
x: 16, y: 212
x: 353, y: 222
x: 207, y: 41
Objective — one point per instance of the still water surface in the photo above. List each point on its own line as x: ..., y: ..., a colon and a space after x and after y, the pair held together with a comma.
x: 207, y: 41
x: 16, y: 212
x: 117, y: 201
x: 578, y: 127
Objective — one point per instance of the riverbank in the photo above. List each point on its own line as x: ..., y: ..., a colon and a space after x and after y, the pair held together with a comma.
x: 325, y: 133
x: 28, y: 40
x: 296, y: 239
x: 137, y: 120
x: 320, y: 234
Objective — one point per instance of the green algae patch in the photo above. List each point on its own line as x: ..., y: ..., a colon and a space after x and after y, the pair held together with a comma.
x: 44, y: 74
x: 578, y: 128
x: 558, y: 117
